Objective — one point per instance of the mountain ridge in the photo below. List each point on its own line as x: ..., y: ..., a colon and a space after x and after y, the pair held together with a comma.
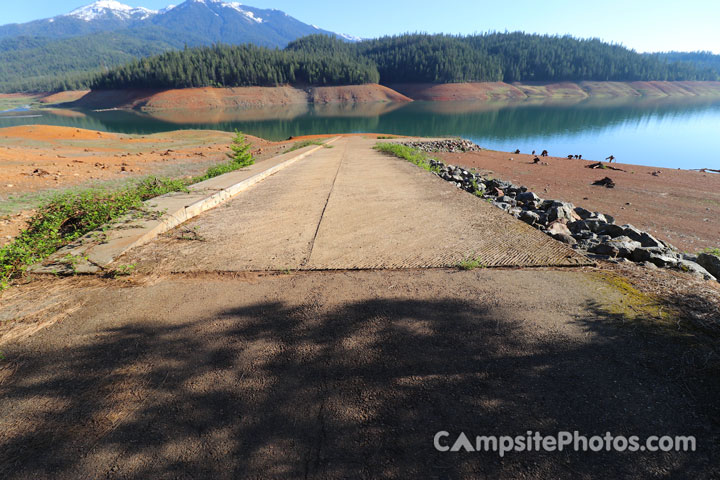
x: 62, y: 52
x: 111, y: 15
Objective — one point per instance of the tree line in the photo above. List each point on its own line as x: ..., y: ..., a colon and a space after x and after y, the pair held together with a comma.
x: 699, y: 59
x: 411, y: 58
x: 238, y: 66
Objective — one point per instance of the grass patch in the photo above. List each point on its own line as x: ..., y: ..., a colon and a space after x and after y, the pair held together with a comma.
x: 307, y: 143
x: 9, y: 103
x: 69, y: 216
x: 412, y: 155
x: 66, y: 217
x: 637, y: 305
x: 471, y: 264
x: 712, y: 251
x: 122, y: 271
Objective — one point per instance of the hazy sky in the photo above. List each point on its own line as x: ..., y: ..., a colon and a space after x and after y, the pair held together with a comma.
x: 644, y: 25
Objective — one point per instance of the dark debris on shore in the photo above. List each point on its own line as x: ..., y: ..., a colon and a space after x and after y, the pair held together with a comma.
x: 593, y: 233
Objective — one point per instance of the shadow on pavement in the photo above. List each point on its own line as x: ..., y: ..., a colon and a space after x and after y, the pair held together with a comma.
x: 276, y: 391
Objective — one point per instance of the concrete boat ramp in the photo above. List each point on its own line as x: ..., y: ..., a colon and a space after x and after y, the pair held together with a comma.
x: 343, y: 206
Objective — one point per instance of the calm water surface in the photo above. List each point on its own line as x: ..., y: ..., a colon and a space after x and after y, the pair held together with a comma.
x: 675, y: 133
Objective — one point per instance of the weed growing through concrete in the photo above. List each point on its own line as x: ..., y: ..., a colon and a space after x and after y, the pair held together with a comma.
x: 122, y: 271
x: 72, y: 261
x: 471, y: 264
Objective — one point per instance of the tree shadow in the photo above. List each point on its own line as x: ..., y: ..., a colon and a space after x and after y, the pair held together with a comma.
x: 273, y: 390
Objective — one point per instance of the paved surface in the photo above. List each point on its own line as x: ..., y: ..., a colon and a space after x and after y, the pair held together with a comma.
x: 343, y: 374
x: 168, y: 211
x: 346, y: 375
x: 349, y: 207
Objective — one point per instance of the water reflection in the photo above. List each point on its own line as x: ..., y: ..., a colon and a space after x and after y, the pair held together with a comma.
x: 677, y: 132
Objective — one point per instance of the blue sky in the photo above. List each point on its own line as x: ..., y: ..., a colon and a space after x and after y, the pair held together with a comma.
x: 640, y: 24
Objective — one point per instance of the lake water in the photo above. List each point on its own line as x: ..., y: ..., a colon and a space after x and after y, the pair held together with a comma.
x: 674, y: 133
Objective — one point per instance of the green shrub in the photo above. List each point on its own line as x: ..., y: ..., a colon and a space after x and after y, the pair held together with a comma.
x: 412, y: 155
x: 69, y: 216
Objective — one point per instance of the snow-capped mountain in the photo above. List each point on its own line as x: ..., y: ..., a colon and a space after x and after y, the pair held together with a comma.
x: 105, y: 8
x: 108, y: 32
x: 207, y: 20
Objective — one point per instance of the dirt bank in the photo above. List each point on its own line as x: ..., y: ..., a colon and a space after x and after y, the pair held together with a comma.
x: 257, y: 97
x: 678, y: 206
x: 222, y: 98
x: 518, y: 91
x: 63, y: 97
x: 39, y: 160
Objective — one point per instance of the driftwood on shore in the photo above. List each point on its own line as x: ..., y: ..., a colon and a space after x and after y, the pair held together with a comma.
x: 705, y: 170
x: 602, y: 165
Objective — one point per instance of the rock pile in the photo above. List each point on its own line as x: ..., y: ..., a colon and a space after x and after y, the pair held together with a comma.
x: 450, y: 145
x: 594, y: 233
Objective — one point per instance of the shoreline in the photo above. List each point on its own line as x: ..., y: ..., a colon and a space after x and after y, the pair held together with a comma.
x: 676, y: 206
x: 212, y: 98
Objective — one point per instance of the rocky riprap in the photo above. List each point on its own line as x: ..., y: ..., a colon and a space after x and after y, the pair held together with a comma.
x: 449, y: 145
x: 593, y: 233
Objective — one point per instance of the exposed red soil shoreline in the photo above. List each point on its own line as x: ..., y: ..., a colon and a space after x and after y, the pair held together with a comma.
x: 249, y: 97
x: 223, y: 98
x: 516, y: 91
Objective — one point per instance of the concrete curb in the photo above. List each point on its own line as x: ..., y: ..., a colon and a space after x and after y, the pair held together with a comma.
x: 173, y: 209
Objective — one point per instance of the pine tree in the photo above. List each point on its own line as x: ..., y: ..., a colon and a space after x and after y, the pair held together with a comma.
x: 241, y: 151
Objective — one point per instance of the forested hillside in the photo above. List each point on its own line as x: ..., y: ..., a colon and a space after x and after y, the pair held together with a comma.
x: 237, y: 66
x: 323, y: 60
x: 39, y: 64
x: 699, y: 59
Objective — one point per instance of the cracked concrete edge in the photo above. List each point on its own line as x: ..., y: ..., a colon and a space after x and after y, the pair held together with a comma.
x: 93, y: 257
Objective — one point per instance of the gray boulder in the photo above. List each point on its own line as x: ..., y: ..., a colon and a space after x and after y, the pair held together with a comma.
x: 625, y: 246
x: 613, y: 230
x: 582, y: 213
x: 586, y: 234
x: 640, y: 255
x: 622, y: 247
x: 647, y: 240
x: 565, y: 238
x: 606, y: 248
x: 695, y: 269
x: 599, y: 216
x: 527, y: 197
x: 503, y: 206
x: 594, y: 225
x: 563, y: 211
x: 663, y: 260
x: 711, y: 263
x: 531, y: 218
